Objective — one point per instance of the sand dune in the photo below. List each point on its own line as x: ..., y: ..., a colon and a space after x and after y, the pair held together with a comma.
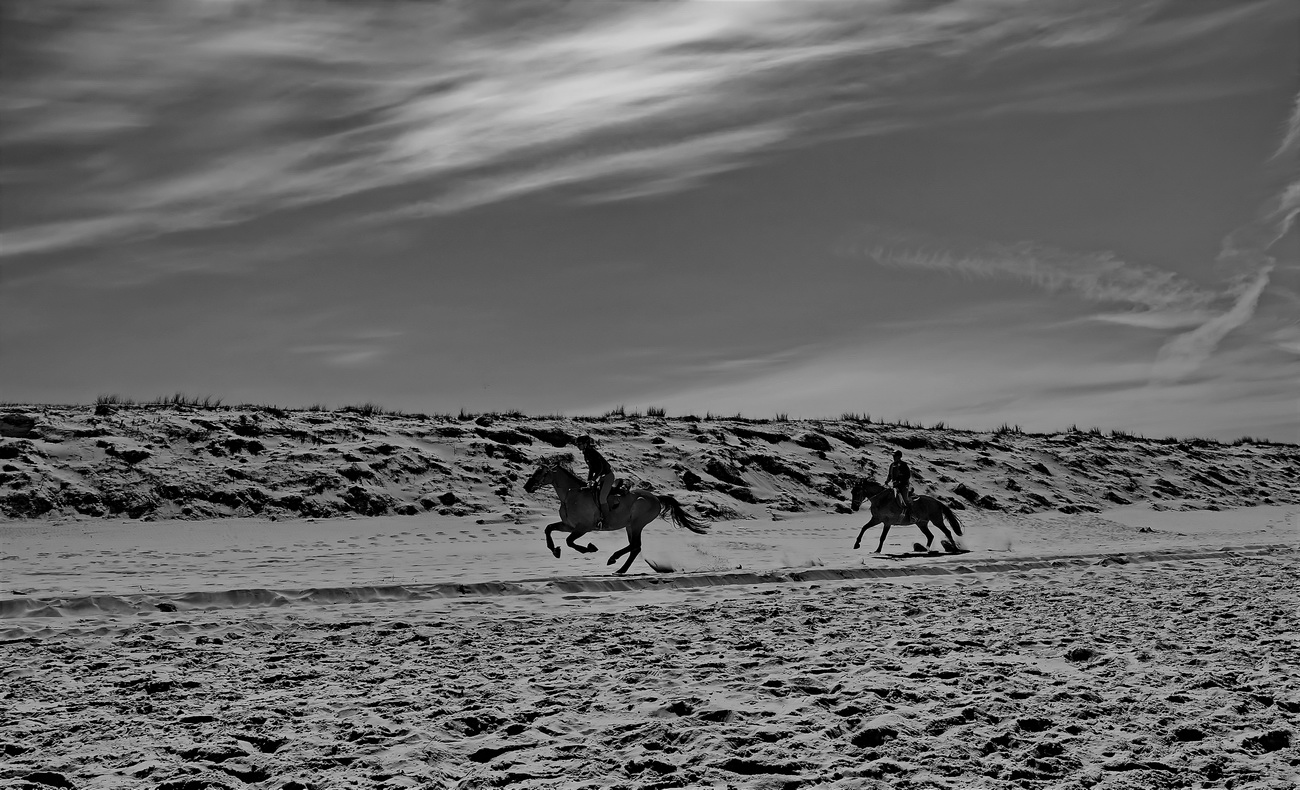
x: 196, y: 463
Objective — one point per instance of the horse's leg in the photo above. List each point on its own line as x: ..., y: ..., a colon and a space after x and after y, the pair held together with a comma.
x: 613, y: 558
x: 558, y: 526
x: 929, y: 536
x: 884, y: 533
x: 590, y: 547
x: 937, y: 520
x: 857, y: 544
x: 633, y: 548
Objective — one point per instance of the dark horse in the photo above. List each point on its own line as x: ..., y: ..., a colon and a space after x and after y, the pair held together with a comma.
x: 579, y: 512
x: 887, y: 510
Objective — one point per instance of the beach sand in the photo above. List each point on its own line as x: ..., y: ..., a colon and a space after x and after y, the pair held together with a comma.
x: 1125, y: 649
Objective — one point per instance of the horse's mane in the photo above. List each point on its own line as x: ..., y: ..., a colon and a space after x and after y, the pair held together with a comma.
x: 862, y: 483
x: 557, y: 461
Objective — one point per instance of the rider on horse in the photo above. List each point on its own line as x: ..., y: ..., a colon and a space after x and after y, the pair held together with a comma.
x: 600, y: 475
x: 900, y: 477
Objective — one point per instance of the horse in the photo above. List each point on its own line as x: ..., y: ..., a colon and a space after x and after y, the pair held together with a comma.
x: 887, y: 510
x: 579, y: 512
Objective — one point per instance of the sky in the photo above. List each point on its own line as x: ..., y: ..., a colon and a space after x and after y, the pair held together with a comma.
x: 1043, y: 213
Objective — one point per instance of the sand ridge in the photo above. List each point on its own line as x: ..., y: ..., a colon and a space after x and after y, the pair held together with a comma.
x: 933, y: 564
x: 178, y: 461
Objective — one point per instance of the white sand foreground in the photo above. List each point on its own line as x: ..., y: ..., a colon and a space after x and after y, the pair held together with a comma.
x: 1127, y: 649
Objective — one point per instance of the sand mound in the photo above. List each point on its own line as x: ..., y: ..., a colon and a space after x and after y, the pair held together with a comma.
x: 186, y: 462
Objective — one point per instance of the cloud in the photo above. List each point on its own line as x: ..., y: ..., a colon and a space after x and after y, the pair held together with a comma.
x: 1038, y: 379
x: 1094, y: 276
x: 1186, y: 353
x: 56, y: 235
x: 1287, y: 339
x: 1291, y: 140
x: 137, y: 118
x: 1168, y: 301
x: 342, y: 355
x: 358, y: 349
x: 1246, y: 251
x: 1154, y: 319
x: 662, y: 169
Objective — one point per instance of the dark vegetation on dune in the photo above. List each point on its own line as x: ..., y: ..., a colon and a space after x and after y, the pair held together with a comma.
x: 188, y: 458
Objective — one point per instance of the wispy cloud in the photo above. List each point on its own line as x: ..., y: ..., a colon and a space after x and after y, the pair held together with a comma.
x: 1009, y: 376
x: 1168, y: 319
x: 1287, y: 339
x: 1094, y: 276
x: 355, y: 350
x: 1186, y: 353
x: 1246, y: 251
x: 129, y: 118
x: 1166, y: 299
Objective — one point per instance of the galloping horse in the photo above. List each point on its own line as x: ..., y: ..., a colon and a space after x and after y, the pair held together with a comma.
x: 887, y: 510
x: 579, y: 512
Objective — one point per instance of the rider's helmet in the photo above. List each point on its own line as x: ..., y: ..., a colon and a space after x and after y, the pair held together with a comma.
x: 585, y: 441
x: 898, y: 454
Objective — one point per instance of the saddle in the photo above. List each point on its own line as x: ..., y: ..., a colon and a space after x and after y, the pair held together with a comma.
x: 895, y: 498
x: 618, y: 490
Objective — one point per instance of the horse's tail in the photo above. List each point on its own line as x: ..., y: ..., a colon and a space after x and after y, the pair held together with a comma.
x: 680, y: 516
x: 952, y: 518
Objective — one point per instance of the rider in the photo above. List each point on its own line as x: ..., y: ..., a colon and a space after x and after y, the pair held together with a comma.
x: 600, y: 475
x: 900, y: 477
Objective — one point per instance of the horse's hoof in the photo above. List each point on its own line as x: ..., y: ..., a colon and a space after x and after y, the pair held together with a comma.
x: 857, y: 546
x: 611, y: 561
x: 556, y: 552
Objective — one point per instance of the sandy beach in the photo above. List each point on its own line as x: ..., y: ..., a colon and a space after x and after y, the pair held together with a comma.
x: 1122, y: 649
x: 334, y: 334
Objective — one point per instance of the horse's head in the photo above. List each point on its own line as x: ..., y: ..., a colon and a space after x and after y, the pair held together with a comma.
x: 863, y: 490
x: 540, y: 477
x: 546, y: 470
